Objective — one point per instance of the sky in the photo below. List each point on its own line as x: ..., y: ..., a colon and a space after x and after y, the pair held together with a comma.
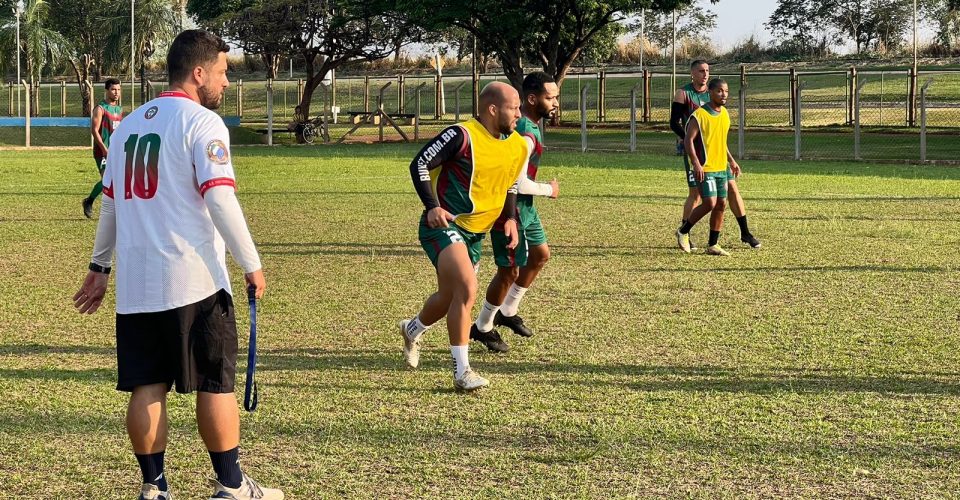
x: 738, y: 19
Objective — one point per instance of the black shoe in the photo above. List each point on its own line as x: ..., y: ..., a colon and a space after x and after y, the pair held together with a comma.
x: 88, y: 208
x: 751, y: 240
x: 491, y: 339
x: 514, y: 323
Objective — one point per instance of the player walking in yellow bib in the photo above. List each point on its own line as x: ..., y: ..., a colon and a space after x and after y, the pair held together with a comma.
x: 705, y: 143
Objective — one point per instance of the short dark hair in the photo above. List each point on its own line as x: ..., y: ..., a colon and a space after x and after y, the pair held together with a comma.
x: 535, y: 83
x: 192, y: 48
x: 716, y: 83
x: 110, y: 82
x: 698, y: 62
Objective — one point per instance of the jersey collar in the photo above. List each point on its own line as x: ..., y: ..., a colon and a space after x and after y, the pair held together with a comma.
x: 174, y: 93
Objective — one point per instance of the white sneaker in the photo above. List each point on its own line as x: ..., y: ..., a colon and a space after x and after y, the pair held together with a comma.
x: 470, y: 381
x: 151, y: 491
x: 716, y: 250
x: 411, y: 348
x: 248, y: 490
x: 683, y: 241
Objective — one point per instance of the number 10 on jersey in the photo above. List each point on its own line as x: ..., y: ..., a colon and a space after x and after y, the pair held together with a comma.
x: 140, y: 168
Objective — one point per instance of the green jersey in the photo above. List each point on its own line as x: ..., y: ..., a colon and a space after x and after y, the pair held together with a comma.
x: 693, y: 99
x: 112, y: 114
x: 528, y: 128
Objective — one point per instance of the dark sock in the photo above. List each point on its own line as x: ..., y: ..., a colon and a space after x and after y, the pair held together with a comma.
x: 683, y: 222
x: 744, y: 229
x: 227, y: 466
x: 97, y: 189
x: 714, y: 237
x: 687, y: 226
x: 152, y: 468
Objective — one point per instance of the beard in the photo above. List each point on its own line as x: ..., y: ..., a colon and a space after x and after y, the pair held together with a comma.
x: 506, y: 127
x: 210, y: 98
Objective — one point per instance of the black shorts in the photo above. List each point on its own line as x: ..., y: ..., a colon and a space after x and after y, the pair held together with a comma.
x: 194, y: 346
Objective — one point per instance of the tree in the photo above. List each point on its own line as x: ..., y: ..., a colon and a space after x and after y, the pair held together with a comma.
x: 944, y: 15
x: 156, y: 24
x: 41, y: 47
x: 82, y: 23
x: 553, y: 33
x: 796, y: 23
x: 693, y: 21
x: 868, y: 24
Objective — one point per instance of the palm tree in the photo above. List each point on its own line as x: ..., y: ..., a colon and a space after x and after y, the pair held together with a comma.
x: 42, y: 48
x: 156, y: 24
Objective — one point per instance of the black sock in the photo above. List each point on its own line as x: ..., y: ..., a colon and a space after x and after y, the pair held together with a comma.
x: 227, y: 466
x: 744, y: 229
x: 714, y: 237
x: 687, y: 226
x: 151, y: 466
x: 683, y: 222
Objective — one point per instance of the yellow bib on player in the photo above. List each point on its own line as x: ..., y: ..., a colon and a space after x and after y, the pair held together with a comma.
x: 496, y: 166
x: 714, y: 127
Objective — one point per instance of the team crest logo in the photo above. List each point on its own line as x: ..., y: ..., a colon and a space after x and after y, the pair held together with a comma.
x: 150, y: 112
x: 217, y: 152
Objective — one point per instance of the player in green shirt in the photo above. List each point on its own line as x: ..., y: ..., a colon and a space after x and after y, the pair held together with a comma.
x: 518, y: 267
x: 103, y: 121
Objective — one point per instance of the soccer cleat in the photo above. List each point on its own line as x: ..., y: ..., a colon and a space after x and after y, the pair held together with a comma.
x: 248, y: 490
x: 514, y: 323
x: 470, y: 381
x: 411, y: 348
x: 751, y: 240
x: 150, y: 491
x: 716, y: 250
x: 683, y: 241
x: 491, y: 339
x: 88, y: 208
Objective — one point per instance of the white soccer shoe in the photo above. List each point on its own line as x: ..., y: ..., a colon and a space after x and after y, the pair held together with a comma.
x: 683, y: 241
x: 411, y: 347
x: 470, y: 381
x: 716, y: 250
x: 248, y: 490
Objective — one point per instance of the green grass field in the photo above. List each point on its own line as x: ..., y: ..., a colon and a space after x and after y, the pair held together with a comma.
x: 823, y: 365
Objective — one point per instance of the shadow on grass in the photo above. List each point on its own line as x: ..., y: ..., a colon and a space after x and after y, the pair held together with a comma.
x: 650, y: 378
x: 31, y: 349
x: 339, y: 248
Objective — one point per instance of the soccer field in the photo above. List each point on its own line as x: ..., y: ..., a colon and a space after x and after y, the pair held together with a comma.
x: 826, y: 364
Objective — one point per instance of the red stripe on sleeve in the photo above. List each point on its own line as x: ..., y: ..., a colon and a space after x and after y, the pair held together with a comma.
x: 219, y: 181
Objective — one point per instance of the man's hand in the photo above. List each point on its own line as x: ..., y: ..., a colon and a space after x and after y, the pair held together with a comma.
x: 556, y: 188
x: 698, y: 172
x: 256, y: 279
x: 438, y: 217
x: 88, y: 299
x: 735, y: 168
x: 510, y: 231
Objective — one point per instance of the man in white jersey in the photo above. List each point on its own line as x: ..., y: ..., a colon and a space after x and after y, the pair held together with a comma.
x: 169, y: 210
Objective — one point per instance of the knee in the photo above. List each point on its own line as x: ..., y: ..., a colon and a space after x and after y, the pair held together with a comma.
x: 539, y: 258
x: 720, y: 205
x: 709, y: 203
x: 465, y: 292
x: 509, y: 274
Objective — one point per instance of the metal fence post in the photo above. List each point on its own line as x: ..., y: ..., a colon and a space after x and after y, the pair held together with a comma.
x: 437, y: 83
x: 633, y: 117
x: 850, y: 92
x: 797, y: 120
x: 10, y: 93
x: 240, y: 98
x: 601, y: 96
x: 381, y: 114
x: 456, y: 97
x: 856, y: 119
x: 270, y: 112
x: 793, y: 91
x: 646, y: 95
x: 366, y: 94
x: 416, y: 117
x: 401, y: 86
x: 923, y: 119
x: 28, y: 110
x: 742, y: 120
x: 63, y: 98
x: 583, y: 117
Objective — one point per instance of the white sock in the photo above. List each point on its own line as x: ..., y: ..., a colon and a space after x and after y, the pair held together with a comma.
x: 512, y: 303
x: 461, y: 359
x: 485, y: 318
x: 415, y: 327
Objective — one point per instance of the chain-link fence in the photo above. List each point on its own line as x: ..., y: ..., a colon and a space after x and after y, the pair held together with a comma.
x: 842, y: 115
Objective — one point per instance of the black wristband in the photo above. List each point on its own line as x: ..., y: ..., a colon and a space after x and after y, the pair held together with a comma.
x: 97, y: 268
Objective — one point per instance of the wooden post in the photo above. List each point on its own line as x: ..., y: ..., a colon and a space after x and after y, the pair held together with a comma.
x: 601, y: 94
x: 912, y: 98
x: 793, y: 93
x: 29, y: 104
x: 240, y: 98
x: 437, y: 82
x: 366, y: 94
x: 646, y: 95
x: 850, y: 97
x: 401, y: 85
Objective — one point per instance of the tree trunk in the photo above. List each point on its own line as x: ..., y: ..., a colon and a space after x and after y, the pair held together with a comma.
x: 510, y: 61
x: 302, y: 112
x: 272, y: 63
x: 82, y: 70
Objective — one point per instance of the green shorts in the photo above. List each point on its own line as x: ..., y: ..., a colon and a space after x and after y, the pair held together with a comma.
x: 691, y: 180
x: 714, y: 185
x: 531, y: 235
x: 101, y: 162
x: 434, y: 240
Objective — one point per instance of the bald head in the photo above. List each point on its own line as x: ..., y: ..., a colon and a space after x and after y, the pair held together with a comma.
x: 496, y: 94
x: 499, y: 107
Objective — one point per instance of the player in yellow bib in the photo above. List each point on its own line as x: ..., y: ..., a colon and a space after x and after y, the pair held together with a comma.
x: 705, y: 143
x: 466, y: 178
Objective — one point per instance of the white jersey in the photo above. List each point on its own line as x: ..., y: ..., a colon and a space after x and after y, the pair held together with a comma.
x: 162, y: 159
